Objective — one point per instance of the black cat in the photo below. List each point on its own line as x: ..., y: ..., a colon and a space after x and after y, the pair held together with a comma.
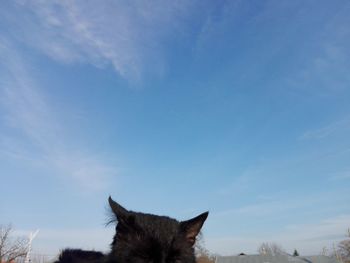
x: 144, y: 238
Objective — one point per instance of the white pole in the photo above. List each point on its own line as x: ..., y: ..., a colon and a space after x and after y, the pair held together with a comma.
x: 29, y: 250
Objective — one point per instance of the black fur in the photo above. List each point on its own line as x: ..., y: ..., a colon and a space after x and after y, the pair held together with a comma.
x: 78, y: 255
x: 144, y: 238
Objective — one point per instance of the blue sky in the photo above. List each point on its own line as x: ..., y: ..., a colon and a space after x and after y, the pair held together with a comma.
x: 174, y: 108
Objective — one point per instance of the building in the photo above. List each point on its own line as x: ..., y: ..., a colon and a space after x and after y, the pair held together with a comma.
x: 274, y: 259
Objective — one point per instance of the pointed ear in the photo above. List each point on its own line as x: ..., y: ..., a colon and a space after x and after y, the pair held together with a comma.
x: 192, y: 227
x: 120, y: 212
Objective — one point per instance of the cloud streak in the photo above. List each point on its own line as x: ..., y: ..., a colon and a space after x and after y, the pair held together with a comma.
x: 34, y: 132
x: 127, y: 35
x: 326, y: 131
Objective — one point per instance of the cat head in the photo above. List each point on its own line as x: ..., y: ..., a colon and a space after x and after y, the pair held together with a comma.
x: 147, y: 238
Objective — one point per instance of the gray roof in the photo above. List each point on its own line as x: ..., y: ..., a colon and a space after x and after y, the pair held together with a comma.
x: 274, y: 259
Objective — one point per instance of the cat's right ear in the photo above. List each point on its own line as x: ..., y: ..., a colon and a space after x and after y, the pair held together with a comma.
x: 192, y: 227
x: 120, y: 212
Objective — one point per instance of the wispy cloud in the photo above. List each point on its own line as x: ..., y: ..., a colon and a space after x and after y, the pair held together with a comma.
x: 277, y: 206
x: 240, y: 184
x: 306, y: 238
x: 326, y: 131
x: 341, y: 176
x: 325, y: 68
x: 35, y: 133
x: 126, y: 34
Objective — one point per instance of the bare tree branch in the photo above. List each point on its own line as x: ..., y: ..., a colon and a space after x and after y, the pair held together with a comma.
x: 271, y: 249
x: 10, y: 247
x: 342, y: 250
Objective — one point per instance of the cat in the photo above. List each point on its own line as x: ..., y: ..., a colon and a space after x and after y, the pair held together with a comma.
x: 144, y: 238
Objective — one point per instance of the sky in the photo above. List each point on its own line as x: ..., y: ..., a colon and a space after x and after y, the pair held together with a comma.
x: 239, y: 108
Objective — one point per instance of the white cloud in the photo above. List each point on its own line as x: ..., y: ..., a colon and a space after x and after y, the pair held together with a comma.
x: 35, y: 133
x: 128, y: 35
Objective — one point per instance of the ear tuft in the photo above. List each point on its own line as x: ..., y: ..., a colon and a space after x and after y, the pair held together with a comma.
x: 120, y: 212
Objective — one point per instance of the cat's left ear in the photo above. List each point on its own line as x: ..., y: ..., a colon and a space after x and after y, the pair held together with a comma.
x: 192, y: 227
